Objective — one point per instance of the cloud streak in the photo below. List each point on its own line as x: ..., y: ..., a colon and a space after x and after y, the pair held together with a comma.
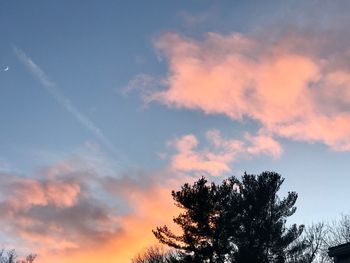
x: 54, y: 91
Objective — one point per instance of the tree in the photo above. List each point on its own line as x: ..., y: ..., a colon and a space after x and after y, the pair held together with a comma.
x: 11, y: 257
x: 317, y: 239
x: 339, y: 231
x: 236, y: 221
x: 312, y: 245
x: 156, y: 254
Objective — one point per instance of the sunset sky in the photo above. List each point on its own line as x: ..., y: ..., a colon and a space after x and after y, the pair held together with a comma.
x: 106, y: 106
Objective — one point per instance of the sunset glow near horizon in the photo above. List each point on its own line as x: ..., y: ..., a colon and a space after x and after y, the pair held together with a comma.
x: 107, y: 106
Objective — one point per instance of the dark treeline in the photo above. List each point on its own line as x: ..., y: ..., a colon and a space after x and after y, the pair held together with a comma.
x: 242, y: 221
x: 10, y: 256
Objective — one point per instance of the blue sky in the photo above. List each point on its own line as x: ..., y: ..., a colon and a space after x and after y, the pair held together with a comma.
x: 92, y: 51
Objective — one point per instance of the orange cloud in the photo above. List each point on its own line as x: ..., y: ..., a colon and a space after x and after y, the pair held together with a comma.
x: 71, y: 212
x: 291, y: 90
x: 24, y: 193
x: 187, y: 159
x: 150, y: 208
x: 216, y: 159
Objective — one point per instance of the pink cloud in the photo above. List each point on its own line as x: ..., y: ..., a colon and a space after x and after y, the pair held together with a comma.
x: 263, y: 144
x: 289, y: 88
x: 188, y: 159
x: 217, y: 157
x: 61, y: 193
x: 147, y: 203
x: 54, y: 211
x: 74, y: 212
x: 25, y: 193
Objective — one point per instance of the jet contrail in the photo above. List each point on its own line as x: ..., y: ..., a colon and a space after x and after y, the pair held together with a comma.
x: 52, y: 89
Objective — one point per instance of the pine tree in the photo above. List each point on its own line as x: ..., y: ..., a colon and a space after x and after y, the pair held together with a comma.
x: 236, y: 221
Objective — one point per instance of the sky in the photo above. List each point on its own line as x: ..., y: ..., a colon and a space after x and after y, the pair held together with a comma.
x: 106, y: 106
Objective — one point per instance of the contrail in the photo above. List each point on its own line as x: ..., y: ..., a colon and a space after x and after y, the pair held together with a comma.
x: 52, y: 89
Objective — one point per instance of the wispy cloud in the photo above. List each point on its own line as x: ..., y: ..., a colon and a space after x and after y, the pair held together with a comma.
x: 54, y: 91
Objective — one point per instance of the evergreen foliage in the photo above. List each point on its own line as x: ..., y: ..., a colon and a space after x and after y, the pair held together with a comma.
x: 242, y: 221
